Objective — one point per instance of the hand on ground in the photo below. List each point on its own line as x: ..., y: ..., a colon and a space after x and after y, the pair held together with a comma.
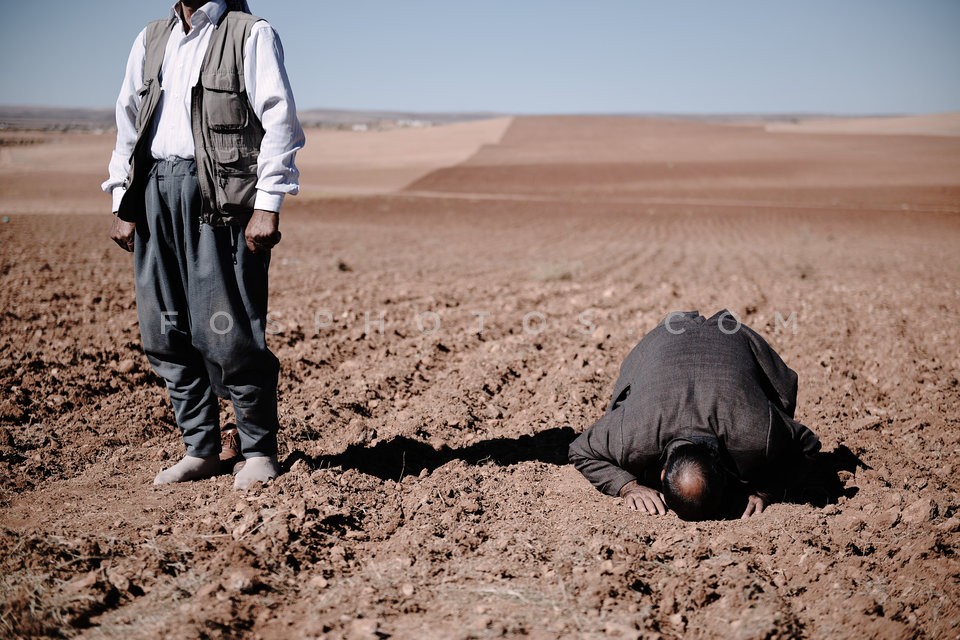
x: 755, y: 505
x: 641, y: 498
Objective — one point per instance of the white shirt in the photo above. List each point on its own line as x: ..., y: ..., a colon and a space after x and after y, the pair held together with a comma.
x: 268, y: 90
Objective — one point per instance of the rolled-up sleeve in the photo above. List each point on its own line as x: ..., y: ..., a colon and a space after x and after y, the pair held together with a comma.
x: 597, y: 452
x: 270, y: 95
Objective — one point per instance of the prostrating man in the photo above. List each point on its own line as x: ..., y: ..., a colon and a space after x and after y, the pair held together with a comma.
x: 207, y: 133
x: 702, y: 411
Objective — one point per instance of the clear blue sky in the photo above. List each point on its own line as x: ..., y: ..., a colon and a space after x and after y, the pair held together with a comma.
x: 536, y: 56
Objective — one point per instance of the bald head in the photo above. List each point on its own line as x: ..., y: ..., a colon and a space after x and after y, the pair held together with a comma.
x: 693, y: 483
x: 690, y: 482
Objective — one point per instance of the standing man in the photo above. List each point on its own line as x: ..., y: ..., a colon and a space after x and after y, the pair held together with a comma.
x: 207, y: 133
x: 702, y: 411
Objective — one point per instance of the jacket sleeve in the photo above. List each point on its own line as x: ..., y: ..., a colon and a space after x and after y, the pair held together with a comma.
x: 780, y: 380
x: 597, y: 451
x: 792, y: 450
x: 804, y: 440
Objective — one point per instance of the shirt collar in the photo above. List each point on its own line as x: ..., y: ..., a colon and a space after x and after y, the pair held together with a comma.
x: 211, y: 12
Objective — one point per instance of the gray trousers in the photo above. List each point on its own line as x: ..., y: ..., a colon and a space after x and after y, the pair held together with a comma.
x: 202, y: 306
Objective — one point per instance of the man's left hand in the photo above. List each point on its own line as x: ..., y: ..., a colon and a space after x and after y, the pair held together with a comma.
x: 262, y: 232
x: 756, y: 503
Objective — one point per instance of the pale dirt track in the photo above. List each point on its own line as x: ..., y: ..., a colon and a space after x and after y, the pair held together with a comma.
x: 428, y: 494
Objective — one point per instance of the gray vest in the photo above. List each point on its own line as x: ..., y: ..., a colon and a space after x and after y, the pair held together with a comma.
x: 226, y: 131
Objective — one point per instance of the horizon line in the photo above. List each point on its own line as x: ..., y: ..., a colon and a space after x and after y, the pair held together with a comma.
x: 496, y: 113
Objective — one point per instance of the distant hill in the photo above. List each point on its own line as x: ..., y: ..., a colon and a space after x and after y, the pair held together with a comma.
x: 347, y: 119
x: 55, y: 118
x: 64, y: 119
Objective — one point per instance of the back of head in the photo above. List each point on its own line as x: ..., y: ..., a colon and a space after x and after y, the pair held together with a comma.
x: 694, y: 483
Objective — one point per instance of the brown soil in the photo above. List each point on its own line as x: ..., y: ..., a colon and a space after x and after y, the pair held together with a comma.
x: 427, y: 494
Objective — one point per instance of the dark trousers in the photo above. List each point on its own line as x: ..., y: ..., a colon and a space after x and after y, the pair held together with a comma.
x: 202, y: 306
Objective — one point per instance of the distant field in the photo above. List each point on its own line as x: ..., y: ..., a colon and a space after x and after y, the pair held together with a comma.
x: 51, y: 118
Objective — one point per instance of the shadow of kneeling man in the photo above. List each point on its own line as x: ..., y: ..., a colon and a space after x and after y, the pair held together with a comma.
x: 402, y: 456
x: 826, y: 480
x: 823, y: 482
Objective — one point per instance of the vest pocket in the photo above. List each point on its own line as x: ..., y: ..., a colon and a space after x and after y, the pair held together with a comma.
x: 224, y: 105
x: 226, y: 148
x: 236, y: 189
x: 232, y: 147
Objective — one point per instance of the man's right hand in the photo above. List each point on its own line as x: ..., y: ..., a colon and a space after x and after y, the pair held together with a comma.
x: 641, y: 498
x: 122, y: 233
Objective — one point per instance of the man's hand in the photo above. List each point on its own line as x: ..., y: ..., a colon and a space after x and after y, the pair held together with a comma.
x: 122, y: 233
x: 262, y: 232
x: 641, y: 498
x: 756, y: 503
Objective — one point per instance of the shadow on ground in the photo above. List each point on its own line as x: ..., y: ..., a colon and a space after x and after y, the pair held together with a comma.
x: 402, y: 456
x: 823, y: 484
x: 393, y: 459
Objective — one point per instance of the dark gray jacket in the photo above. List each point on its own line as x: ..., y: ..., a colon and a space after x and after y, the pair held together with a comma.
x: 711, y: 380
